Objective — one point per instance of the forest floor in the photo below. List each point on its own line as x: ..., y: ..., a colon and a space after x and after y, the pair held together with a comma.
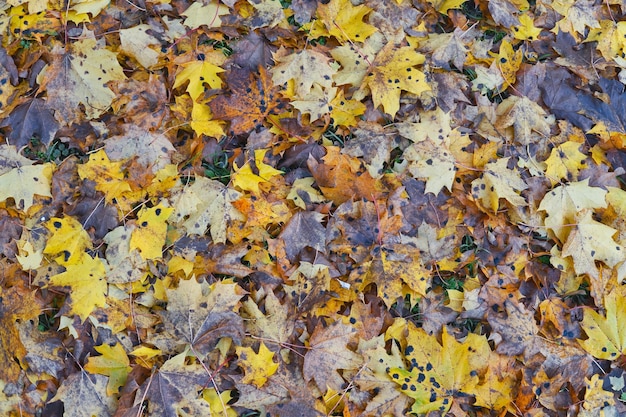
x: 312, y: 208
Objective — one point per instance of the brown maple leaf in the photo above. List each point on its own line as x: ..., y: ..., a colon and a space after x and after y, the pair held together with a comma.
x: 253, y: 99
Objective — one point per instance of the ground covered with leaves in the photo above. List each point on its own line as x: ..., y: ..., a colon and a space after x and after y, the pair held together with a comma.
x: 312, y: 208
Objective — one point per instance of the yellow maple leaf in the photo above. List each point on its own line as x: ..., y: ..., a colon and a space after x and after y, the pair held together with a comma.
x: 76, y: 85
x: 67, y: 237
x: 592, y: 241
x: 526, y: 30
x: 257, y: 366
x: 343, y: 20
x: 442, y: 6
x: 247, y: 180
x: 508, y: 62
x: 564, y: 202
x: 499, y: 182
x: 23, y: 183
x: 437, y: 371
x: 108, y: 176
x: 149, y: 236
x: 87, y: 283
x: 564, y: 162
x: 606, y: 335
x: 204, y: 13
x: 198, y: 73
x: 202, y: 121
x: 219, y: 402
x: 113, y: 363
x: 306, y: 68
x: 393, y: 72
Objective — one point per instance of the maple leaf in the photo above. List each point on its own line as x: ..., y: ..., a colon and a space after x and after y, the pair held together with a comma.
x: 79, y: 78
x: 32, y: 119
x: 208, y: 14
x: 257, y: 366
x: 343, y: 20
x: 174, y: 387
x: 292, y: 67
x: 138, y: 43
x: 565, y: 201
x: 439, y: 370
x: 83, y: 393
x: 253, y: 99
x: 328, y: 354
x: 108, y: 176
x: 498, y: 182
x: 18, y: 304
x: 198, y: 73
x: 86, y: 281
x: 304, y: 229
x: 149, y: 235
x: 24, y: 182
x: 113, y: 363
x: 150, y: 149
x: 606, y: 335
x: 67, y: 237
x: 207, y: 202
x: 123, y: 265
x: 392, y: 72
x: 565, y: 161
x: 200, y: 314
x: 433, y: 153
x: 592, y: 241
x: 247, y: 180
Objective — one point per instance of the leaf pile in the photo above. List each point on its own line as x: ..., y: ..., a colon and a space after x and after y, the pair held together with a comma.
x: 275, y: 207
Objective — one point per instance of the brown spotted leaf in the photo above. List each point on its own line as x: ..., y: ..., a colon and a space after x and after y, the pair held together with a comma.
x: 253, y: 98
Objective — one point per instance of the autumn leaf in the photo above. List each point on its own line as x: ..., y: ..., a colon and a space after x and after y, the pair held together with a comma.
x: 113, y: 363
x: 247, y: 180
x: 257, y: 366
x: 343, y: 20
x: 198, y: 73
x: 79, y: 77
x: 67, y: 237
x: 32, y: 179
x: 149, y: 235
x: 498, y: 182
x: 606, y: 334
x: 244, y: 108
x: 328, y: 354
x: 392, y: 72
x: 87, y: 285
